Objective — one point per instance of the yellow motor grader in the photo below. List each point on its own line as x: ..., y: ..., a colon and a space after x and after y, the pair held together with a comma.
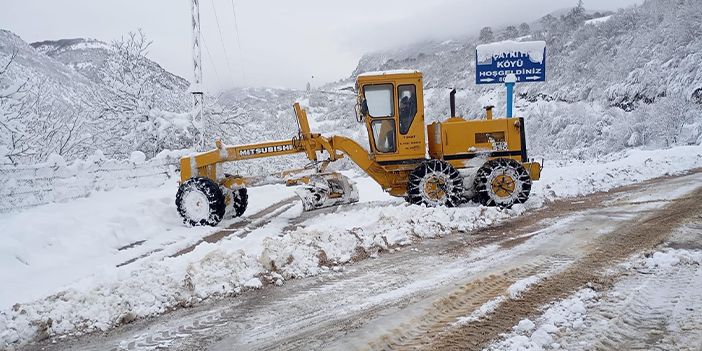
x: 485, y: 160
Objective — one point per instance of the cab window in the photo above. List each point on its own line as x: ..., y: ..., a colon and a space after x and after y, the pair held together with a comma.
x: 407, y: 101
x: 384, y: 135
x: 380, y: 100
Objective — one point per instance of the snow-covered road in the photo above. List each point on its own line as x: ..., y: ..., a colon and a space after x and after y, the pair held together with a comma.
x: 461, y: 291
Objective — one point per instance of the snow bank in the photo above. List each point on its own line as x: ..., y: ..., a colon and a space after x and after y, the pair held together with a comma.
x: 667, y: 258
x: 332, y: 240
x: 633, y: 166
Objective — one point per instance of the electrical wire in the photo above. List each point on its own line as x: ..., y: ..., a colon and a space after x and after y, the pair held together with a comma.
x: 238, y: 40
x: 211, y: 61
x: 221, y: 38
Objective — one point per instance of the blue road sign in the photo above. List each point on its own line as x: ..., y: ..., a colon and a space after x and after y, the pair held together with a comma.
x: 526, y: 60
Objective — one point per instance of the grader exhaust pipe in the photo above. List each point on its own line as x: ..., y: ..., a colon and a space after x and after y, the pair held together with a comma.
x: 452, y: 98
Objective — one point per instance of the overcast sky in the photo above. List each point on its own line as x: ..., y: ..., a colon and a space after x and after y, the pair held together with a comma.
x: 284, y: 43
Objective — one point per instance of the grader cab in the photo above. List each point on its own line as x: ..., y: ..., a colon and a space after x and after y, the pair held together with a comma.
x: 484, y: 160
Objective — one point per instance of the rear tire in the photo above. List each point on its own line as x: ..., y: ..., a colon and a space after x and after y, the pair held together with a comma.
x: 435, y: 183
x: 200, y: 202
x: 502, y: 182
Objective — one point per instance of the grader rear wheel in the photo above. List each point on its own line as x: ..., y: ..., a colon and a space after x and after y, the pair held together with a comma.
x: 435, y: 183
x: 502, y: 182
x: 200, y: 201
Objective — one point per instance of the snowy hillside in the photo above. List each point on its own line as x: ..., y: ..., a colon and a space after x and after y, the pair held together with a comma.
x: 74, y: 97
x: 90, y: 57
x: 65, y: 84
x: 632, y: 80
x: 614, y: 81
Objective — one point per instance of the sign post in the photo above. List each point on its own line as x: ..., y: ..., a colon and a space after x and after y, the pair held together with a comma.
x: 510, y: 62
x: 510, y: 80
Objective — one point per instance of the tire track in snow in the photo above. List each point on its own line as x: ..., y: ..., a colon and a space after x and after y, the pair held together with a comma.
x: 467, y: 300
x: 246, y: 226
x: 650, y: 311
x: 241, y: 229
x: 629, y: 238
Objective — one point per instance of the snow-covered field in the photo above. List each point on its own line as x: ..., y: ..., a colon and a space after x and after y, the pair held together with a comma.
x: 94, y: 263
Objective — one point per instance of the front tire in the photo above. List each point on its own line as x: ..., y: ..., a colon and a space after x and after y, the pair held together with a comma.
x: 200, y: 202
x: 435, y: 183
x: 502, y: 182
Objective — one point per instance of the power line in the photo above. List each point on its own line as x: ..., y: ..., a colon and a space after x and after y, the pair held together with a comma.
x: 238, y: 40
x: 221, y: 38
x: 211, y: 61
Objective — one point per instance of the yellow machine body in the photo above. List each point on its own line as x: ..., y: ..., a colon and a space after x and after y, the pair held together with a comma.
x: 392, y: 109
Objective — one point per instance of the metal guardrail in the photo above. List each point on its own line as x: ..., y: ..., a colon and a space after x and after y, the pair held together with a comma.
x: 23, y: 187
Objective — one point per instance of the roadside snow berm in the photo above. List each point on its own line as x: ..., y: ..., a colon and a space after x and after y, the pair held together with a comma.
x: 485, y: 160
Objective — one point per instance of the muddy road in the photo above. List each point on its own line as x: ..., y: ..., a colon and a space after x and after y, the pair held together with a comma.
x: 459, y: 292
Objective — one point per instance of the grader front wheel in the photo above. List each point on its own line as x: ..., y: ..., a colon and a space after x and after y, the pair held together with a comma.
x: 435, y: 183
x: 502, y: 182
x: 200, y: 201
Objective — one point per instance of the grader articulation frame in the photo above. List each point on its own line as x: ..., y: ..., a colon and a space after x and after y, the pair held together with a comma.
x: 485, y: 160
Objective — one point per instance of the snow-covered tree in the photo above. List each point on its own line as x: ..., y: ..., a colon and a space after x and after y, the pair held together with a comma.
x: 486, y: 35
x: 14, y: 107
x: 134, y: 111
x: 576, y: 16
x: 511, y: 32
x: 548, y: 22
x: 524, y: 29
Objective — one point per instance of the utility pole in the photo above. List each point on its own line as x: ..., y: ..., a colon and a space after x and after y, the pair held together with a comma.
x: 196, y: 88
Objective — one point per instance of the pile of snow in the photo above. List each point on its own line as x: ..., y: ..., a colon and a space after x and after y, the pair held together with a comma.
x: 666, y: 259
x: 328, y: 241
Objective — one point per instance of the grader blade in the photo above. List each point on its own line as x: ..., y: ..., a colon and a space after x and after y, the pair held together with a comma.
x: 327, y: 189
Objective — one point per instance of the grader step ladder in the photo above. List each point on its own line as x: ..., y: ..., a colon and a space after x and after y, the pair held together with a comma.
x: 484, y: 160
